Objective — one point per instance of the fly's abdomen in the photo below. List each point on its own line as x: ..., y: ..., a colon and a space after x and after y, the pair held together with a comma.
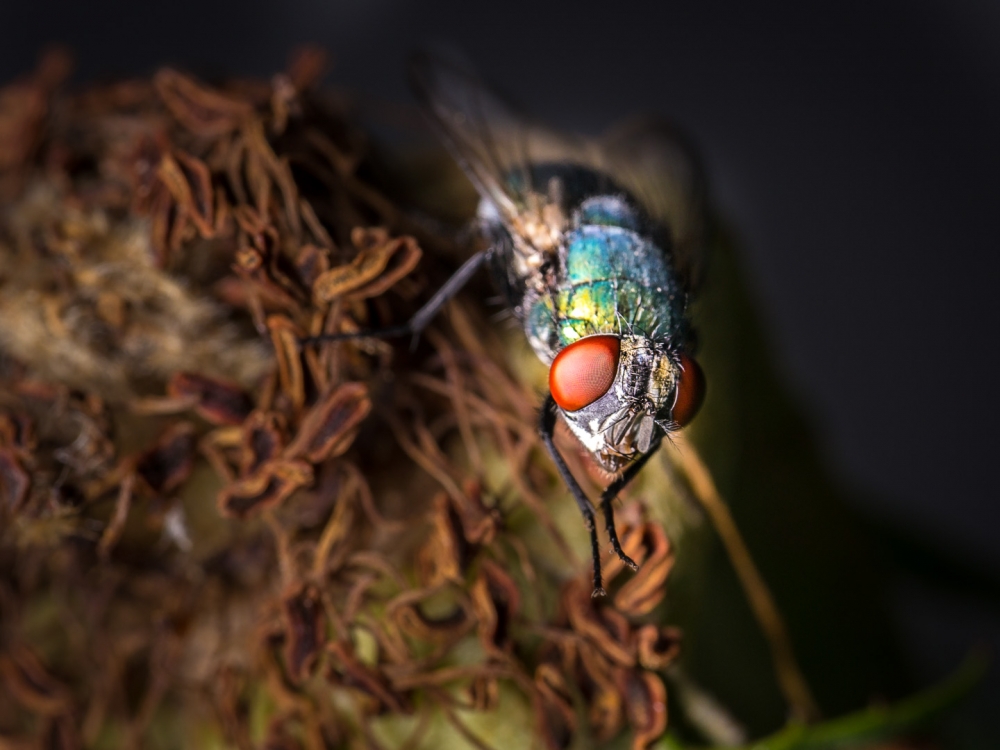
x: 610, y: 280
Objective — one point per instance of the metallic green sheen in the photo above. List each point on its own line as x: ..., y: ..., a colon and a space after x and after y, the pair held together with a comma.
x: 610, y: 280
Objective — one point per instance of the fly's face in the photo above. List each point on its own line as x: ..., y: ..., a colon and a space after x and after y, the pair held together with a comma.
x: 619, y: 394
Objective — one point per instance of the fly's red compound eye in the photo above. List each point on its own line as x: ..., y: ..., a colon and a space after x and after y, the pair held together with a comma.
x: 584, y: 371
x: 690, y: 391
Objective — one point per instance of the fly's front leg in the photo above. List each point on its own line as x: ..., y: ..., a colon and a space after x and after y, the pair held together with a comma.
x: 546, y: 426
x: 608, y: 496
x: 424, y: 315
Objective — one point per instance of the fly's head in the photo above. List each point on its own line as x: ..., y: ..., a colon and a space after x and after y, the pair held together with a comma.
x: 619, y: 393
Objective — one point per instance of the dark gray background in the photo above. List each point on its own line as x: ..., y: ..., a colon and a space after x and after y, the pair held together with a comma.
x: 855, y: 145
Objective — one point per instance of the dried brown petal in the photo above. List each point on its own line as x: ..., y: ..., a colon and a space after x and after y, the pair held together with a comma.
x: 646, y: 704
x: 346, y: 669
x: 307, y: 67
x: 484, y: 693
x: 168, y: 464
x: 329, y: 426
x: 14, y: 480
x: 657, y: 647
x: 30, y: 684
x: 262, y: 440
x: 61, y: 734
x: 479, y: 523
x: 640, y: 594
x: 269, y: 487
x: 311, y: 263
x: 407, y: 613
x: 285, y: 336
x: 190, y: 185
x: 496, y: 601
x: 304, y: 628
x: 554, y: 715
x: 379, y: 264
x: 281, y: 736
x: 23, y: 107
x: 204, y: 111
x: 116, y: 526
x: 599, y: 681
x: 602, y: 626
x: 215, y: 400
x: 17, y: 431
x: 444, y: 554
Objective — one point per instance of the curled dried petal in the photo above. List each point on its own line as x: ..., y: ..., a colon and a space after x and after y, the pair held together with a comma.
x: 657, y: 647
x: 14, y: 480
x: 484, y: 693
x: 203, y: 111
x: 168, y: 464
x: 304, y: 628
x: 379, y: 264
x: 269, y: 487
x: 646, y: 704
x: 262, y: 440
x: 346, y: 669
x: 603, y: 627
x: 215, y: 400
x: 599, y: 681
x: 554, y: 714
x: 444, y: 554
x: 30, y: 684
x: 329, y: 426
x: 17, y: 431
x: 311, y: 262
x: 640, y: 594
x: 408, y: 614
x: 190, y: 184
x: 285, y: 336
x: 479, y: 522
x: 495, y: 601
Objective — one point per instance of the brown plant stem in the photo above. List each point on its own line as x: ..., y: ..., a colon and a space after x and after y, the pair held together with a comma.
x: 791, y: 681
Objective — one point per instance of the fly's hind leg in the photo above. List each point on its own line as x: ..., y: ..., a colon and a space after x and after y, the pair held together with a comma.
x: 423, y: 316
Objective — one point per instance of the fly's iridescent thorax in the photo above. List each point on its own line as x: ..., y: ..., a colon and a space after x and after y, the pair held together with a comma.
x: 602, y: 270
x: 607, y: 268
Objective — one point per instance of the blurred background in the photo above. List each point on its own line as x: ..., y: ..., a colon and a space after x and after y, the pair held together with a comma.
x: 853, y: 146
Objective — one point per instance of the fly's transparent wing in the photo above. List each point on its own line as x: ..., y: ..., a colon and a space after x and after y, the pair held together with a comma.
x: 498, y: 148
x: 494, y: 144
x: 654, y: 161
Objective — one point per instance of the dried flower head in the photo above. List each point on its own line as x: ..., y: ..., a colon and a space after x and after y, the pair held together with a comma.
x: 345, y: 544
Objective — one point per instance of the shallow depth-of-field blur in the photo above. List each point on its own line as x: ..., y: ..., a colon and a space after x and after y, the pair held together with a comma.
x: 211, y: 536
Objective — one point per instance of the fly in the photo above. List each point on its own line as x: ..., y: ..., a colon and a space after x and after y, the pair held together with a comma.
x: 594, y: 245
